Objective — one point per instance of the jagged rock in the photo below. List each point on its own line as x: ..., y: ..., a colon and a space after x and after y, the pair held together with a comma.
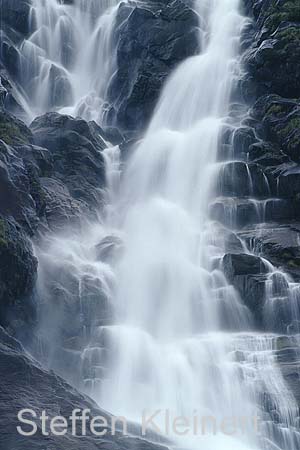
x: 279, y: 123
x: 273, y: 59
x: 16, y: 188
x: 152, y: 38
x: 75, y: 146
x: 18, y: 269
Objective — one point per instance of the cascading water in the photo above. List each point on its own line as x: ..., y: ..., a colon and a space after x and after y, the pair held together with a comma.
x: 72, y: 78
x: 180, y: 341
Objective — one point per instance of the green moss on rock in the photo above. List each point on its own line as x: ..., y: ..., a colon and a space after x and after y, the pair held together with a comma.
x: 3, y: 240
x: 277, y: 13
x: 13, y: 131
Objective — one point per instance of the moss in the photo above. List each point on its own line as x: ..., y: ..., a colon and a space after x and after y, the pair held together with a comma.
x: 294, y: 263
x: 10, y: 133
x: 3, y: 240
x: 13, y: 131
x: 277, y: 13
x: 290, y: 34
x: 275, y: 109
x: 292, y: 126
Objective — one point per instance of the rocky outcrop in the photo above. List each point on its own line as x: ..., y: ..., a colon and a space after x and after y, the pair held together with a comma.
x: 152, y: 38
x: 75, y: 147
x: 50, y: 176
x: 25, y: 384
x: 259, y: 194
x: 273, y: 62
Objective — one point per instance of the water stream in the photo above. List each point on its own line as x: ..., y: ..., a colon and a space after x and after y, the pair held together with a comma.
x: 71, y: 78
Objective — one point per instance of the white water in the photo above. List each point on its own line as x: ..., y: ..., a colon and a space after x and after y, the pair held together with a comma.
x: 67, y: 62
x: 168, y: 348
x: 172, y: 300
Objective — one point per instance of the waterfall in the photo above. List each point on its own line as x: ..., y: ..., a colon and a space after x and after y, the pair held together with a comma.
x: 68, y: 60
x: 179, y: 337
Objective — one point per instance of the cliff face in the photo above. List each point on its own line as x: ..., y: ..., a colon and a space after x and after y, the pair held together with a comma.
x: 269, y: 140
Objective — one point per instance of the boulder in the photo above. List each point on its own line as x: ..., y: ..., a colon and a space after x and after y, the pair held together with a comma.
x: 75, y: 147
x: 152, y: 38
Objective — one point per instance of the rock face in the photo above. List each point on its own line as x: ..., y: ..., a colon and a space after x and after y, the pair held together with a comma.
x: 18, y: 269
x: 41, y: 391
x: 15, y: 15
x: 75, y: 147
x: 52, y: 173
x: 258, y: 193
x: 273, y: 61
x: 152, y: 38
x: 50, y: 176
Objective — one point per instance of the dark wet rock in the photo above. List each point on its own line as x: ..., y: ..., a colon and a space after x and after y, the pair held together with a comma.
x: 273, y: 58
x: 14, y: 14
x: 243, y: 264
x: 152, y: 38
x: 279, y: 123
x: 25, y: 384
x: 242, y: 139
x: 54, y: 183
x: 279, y: 244
x: 60, y: 209
x: 243, y: 179
x: 242, y: 212
x: 18, y: 269
x: 75, y: 146
x: 234, y: 213
x: 9, y: 98
x: 248, y: 274
x: 288, y: 184
x: 16, y: 188
x: 268, y: 156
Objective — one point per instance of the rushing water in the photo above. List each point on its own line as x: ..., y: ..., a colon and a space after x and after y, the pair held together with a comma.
x: 71, y: 78
x: 180, y: 340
